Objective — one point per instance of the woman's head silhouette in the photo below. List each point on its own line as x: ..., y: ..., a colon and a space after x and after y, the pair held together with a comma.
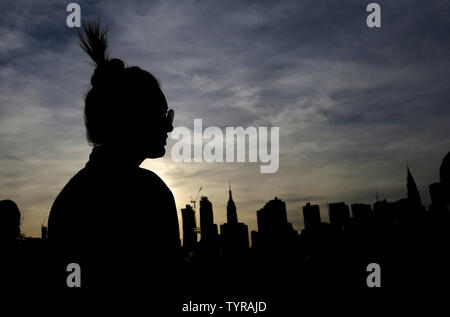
x: 125, y: 109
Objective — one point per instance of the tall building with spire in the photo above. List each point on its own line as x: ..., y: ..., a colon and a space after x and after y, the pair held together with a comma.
x: 234, y: 234
x: 231, y: 207
x: 413, y: 193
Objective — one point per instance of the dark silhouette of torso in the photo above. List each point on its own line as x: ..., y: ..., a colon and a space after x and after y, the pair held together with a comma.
x: 118, y: 221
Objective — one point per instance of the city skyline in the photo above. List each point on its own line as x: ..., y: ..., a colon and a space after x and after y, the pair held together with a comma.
x: 354, y: 105
x: 320, y: 215
x: 294, y: 210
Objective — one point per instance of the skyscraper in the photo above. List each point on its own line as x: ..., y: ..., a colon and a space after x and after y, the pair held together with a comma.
x: 413, y: 193
x: 361, y: 212
x: 43, y: 232
x: 339, y: 214
x: 311, y: 216
x: 234, y: 233
x: 207, y: 227
x: 189, y: 226
x: 272, y: 217
x: 231, y: 208
x: 274, y: 231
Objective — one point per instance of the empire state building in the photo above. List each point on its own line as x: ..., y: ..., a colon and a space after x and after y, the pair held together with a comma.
x: 231, y: 208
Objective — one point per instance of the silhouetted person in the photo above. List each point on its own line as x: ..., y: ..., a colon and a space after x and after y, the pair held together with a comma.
x: 444, y: 172
x: 115, y: 219
x: 9, y: 222
x: 11, y: 262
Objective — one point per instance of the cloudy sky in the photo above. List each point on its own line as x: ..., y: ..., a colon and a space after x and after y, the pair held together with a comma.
x: 353, y: 104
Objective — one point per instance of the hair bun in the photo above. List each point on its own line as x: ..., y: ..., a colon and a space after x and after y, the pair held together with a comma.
x: 107, y: 72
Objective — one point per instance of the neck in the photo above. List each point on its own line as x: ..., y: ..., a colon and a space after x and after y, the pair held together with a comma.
x: 118, y: 155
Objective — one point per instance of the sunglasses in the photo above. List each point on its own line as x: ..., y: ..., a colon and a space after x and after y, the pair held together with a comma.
x: 170, y: 115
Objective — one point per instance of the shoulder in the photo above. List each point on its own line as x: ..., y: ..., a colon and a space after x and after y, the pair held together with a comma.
x: 153, y: 186
x: 62, y: 217
x: 77, y: 183
x: 151, y: 178
x: 75, y: 193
